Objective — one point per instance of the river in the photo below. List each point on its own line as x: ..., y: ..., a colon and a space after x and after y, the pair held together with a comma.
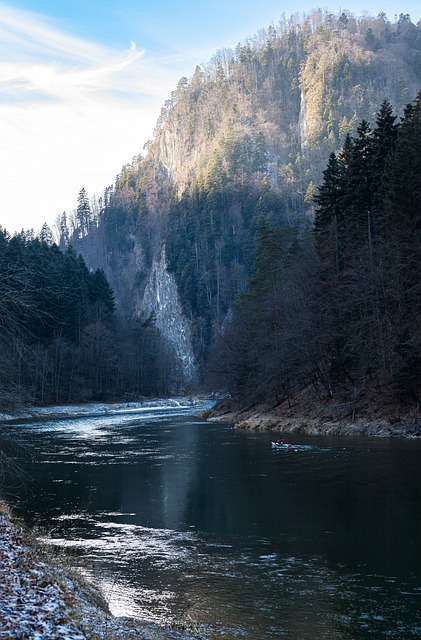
x: 182, y: 521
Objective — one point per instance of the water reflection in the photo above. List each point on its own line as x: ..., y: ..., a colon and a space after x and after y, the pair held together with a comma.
x: 230, y: 591
x: 179, y: 518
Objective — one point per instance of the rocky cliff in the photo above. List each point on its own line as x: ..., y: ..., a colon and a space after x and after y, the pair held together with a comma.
x: 161, y: 299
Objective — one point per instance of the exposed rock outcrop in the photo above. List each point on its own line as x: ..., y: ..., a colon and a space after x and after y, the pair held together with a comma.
x: 161, y: 297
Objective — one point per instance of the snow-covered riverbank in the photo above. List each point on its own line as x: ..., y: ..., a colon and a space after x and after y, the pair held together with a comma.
x: 97, y: 408
x: 43, y: 600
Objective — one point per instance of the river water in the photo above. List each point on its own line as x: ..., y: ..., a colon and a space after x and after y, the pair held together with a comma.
x: 181, y: 521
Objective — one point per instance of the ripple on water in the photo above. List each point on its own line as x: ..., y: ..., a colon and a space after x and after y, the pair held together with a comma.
x: 200, y: 576
x: 301, y: 576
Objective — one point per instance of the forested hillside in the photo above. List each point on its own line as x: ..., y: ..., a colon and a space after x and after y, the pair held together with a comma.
x: 226, y: 193
x: 60, y: 339
x: 338, y: 309
x: 245, y: 139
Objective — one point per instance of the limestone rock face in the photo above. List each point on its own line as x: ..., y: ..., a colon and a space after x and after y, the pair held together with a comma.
x: 161, y: 297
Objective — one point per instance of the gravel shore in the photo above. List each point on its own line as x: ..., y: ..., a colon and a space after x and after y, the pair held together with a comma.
x: 316, y: 422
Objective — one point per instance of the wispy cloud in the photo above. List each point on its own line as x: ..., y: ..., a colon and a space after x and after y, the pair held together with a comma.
x: 36, y: 56
x: 53, y: 80
x: 23, y: 33
x: 72, y: 113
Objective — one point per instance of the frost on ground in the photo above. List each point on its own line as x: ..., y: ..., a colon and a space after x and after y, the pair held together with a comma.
x: 42, y: 602
x: 32, y: 603
x: 99, y: 408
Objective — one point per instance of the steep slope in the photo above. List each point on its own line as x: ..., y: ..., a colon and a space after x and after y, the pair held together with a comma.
x: 245, y: 139
x: 284, y: 99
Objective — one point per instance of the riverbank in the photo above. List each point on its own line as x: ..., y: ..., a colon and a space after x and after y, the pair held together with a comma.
x: 41, y: 596
x: 95, y: 409
x: 44, y: 599
x: 317, y: 418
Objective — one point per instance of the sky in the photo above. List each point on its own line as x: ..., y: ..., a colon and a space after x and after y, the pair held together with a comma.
x: 82, y: 83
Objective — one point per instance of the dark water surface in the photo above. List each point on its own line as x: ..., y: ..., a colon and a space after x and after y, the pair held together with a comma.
x: 180, y: 520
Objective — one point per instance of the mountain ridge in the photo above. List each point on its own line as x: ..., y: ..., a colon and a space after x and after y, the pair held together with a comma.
x: 245, y: 138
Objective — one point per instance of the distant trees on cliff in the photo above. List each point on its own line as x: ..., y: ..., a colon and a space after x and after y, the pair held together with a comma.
x: 338, y: 307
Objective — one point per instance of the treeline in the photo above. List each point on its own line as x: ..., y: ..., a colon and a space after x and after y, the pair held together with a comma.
x: 61, y: 339
x: 338, y: 308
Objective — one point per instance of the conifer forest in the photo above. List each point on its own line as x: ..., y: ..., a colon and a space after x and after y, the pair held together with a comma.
x: 280, y: 197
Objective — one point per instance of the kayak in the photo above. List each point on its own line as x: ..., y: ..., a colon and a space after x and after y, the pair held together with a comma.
x: 277, y: 445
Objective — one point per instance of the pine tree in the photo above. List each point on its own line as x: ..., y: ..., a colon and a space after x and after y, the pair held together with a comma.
x: 101, y: 295
x: 404, y: 187
x: 83, y: 213
x: 328, y: 197
x: 46, y: 235
x: 383, y: 144
x: 260, y: 154
x: 64, y: 232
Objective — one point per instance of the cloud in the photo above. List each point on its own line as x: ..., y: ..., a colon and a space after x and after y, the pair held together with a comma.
x: 53, y: 81
x: 72, y: 113
x: 37, y: 58
x: 25, y: 35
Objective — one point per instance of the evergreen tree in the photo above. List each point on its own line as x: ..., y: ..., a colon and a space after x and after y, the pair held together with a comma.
x: 46, y: 235
x: 328, y: 197
x: 383, y: 143
x: 260, y: 154
x: 83, y: 213
x: 101, y: 295
x: 404, y: 187
x: 64, y: 232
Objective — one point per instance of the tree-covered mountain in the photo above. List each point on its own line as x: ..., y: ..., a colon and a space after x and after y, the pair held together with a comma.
x: 226, y: 190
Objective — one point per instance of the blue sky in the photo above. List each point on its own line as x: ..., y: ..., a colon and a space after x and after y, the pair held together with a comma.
x: 82, y: 83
